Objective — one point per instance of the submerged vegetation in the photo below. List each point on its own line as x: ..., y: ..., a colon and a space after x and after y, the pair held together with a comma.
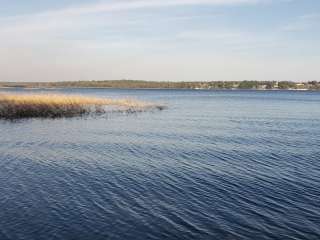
x: 259, y: 85
x: 17, y: 106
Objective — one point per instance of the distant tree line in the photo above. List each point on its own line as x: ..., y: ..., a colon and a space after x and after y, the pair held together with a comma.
x: 258, y: 85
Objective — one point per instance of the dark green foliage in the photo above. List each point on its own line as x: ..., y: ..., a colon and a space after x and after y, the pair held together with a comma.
x: 287, y: 85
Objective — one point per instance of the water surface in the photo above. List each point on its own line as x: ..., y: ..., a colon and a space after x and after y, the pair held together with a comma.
x: 214, y: 165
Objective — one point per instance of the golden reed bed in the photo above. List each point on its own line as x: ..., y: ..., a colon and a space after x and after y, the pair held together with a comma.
x: 17, y: 106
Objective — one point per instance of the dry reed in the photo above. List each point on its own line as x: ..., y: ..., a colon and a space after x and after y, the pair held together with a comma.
x: 17, y: 106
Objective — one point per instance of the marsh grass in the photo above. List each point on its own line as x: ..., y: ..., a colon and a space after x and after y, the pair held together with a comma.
x: 19, y: 106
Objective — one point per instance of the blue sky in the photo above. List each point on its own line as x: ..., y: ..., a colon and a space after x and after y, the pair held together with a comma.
x: 171, y: 40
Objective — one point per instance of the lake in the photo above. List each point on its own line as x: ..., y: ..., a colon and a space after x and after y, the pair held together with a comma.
x: 235, y: 165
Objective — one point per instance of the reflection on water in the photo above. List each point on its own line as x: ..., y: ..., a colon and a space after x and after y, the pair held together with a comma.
x: 214, y: 165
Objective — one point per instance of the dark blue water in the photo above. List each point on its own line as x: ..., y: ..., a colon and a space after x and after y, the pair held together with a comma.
x: 214, y: 165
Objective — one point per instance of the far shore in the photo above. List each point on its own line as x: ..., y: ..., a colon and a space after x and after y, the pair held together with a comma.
x: 194, y: 89
x: 137, y: 84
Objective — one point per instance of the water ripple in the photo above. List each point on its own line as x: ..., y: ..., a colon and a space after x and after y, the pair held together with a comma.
x: 210, y: 171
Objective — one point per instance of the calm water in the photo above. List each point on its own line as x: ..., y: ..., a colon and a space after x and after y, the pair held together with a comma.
x: 215, y: 165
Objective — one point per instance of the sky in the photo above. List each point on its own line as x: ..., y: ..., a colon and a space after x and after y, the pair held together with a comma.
x: 159, y: 40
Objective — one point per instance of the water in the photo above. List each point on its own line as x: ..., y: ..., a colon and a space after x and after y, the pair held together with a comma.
x: 214, y: 165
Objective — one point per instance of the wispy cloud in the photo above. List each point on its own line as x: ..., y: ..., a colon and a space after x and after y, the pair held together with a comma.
x: 106, y: 13
x: 71, y: 17
x: 121, y: 5
x: 303, y: 22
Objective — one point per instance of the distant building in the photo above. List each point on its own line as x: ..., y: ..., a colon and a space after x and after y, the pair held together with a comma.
x: 262, y: 87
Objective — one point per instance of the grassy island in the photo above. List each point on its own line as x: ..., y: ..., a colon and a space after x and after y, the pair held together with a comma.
x: 17, y: 106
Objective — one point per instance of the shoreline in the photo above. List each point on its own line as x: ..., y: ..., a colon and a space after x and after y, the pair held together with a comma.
x: 195, y: 89
x: 194, y: 85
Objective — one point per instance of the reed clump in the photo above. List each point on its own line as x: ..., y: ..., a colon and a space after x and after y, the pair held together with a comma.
x: 18, y: 106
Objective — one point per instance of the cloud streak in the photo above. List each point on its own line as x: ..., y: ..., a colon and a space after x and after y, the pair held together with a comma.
x: 124, y: 5
x: 75, y: 18
x: 303, y: 23
x: 75, y: 15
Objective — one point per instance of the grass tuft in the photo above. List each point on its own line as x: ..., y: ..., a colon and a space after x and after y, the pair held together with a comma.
x: 18, y: 106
